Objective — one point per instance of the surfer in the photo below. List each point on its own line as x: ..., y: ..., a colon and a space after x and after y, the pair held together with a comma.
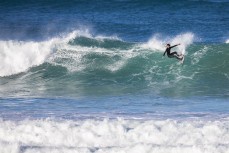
x: 173, y: 54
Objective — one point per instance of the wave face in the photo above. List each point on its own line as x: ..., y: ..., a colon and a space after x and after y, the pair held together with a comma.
x: 85, y: 64
x: 94, y: 136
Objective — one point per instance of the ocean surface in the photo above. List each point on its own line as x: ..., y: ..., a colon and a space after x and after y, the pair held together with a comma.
x: 89, y: 76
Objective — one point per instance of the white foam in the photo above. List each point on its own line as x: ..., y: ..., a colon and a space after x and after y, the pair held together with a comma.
x: 158, y: 43
x: 128, y: 136
x: 77, y: 60
x: 101, y: 37
x: 227, y: 41
x: 18, y: 56
x: 199, y: 54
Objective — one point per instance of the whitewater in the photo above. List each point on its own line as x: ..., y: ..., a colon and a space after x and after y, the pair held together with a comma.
x: 102, y: 136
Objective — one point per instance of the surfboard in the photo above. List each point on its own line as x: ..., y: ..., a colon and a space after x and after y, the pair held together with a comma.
x: 182, y: 60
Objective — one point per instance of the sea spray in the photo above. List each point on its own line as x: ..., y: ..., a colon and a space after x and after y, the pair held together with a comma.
x: 157, y: 42
x: 184, y: 40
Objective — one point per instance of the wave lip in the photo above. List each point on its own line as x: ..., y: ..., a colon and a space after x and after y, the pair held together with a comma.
x: 114, y: 136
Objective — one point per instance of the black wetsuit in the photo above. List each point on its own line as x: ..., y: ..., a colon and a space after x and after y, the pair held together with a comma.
x: 169, y: 54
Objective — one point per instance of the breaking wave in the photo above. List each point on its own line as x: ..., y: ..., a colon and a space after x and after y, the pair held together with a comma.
x: 82, y: 61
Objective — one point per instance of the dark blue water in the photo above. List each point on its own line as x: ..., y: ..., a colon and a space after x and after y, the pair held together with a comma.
x: 130, y: 20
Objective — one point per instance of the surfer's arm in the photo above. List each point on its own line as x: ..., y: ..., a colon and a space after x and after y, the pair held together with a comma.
x: 174, y: 46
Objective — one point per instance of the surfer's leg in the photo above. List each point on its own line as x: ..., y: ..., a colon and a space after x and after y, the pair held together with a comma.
x: 175, y: 54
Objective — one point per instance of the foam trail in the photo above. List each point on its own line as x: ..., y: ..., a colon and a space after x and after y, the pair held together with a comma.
x: 76, y: 54
x: 102, y: 136
x: 158, y: 43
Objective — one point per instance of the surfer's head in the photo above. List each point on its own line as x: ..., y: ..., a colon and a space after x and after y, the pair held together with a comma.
x: 168, y: 45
